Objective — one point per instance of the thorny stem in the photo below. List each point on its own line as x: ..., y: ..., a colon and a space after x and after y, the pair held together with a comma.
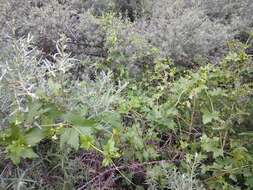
x: 192, y: 115
x: 123, y: 175
x: 210, y: 100
x: 178, y: 100
x: 93, y: 146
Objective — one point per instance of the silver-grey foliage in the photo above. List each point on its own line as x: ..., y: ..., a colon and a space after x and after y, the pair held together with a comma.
x: 179, y: 181
x: 171, y: 178
x: 25, y: 75
x: 184, y: 30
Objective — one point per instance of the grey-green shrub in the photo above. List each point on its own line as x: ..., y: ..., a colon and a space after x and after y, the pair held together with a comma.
x: 47, y: 22
x: 184, y: 30
x: 127, y: 47
x: 25, y: 75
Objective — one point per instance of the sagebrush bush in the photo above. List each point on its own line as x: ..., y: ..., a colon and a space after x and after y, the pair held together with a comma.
x: 93, y: 97
x: 24, y: 74
x: 184, y: 30
x: 48, y: 21
x: 20, y: 74
x: 173, y: 179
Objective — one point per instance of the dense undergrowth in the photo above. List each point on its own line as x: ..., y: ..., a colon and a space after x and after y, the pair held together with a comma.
x: 138, y: 94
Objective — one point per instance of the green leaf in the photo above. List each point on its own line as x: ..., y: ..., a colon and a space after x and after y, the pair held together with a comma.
x: 134, y: 137
x: 109, y: 151
x: 70, y: 137
x: 171, y: 112
x: 28, y: 153
x: 15, y: 133
x: 113, y: 118
x: 16, y: 151
x: 33, y: 111
x: 110, y: 146
x: 52, y: 114
x: 135, y: 102
x: 77, y: 120
x: 106, y: 161
x: 208, y: 117
x: 211, y: 145
x: 34, y: 136
x: 14, y: 158
x: 86, y: 141
x: 84, y: 130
